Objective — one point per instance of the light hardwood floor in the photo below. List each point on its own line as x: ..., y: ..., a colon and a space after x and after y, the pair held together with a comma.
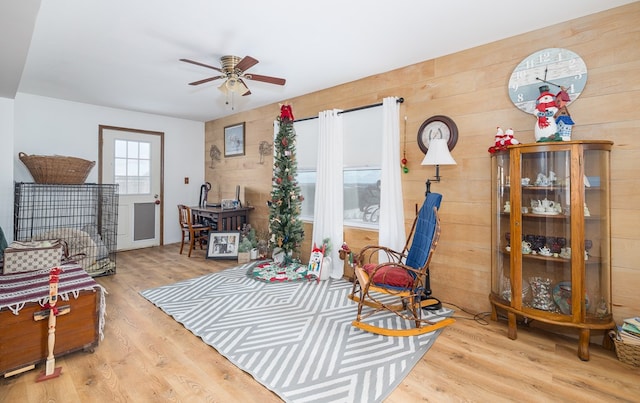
x: 148, y: 357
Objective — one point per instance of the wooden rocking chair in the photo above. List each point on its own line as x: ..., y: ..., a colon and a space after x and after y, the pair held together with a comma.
x: 400, y: 287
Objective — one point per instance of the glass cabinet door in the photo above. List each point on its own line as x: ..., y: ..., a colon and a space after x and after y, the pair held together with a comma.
x: 500, y: 228
x: 597, y: 235
x: 544, y: 231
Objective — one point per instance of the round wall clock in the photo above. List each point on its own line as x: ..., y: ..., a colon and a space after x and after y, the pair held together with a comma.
x: 551, y: 67
x: 437, y: 127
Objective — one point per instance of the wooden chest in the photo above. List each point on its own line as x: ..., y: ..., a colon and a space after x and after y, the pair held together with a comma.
x: 23, y: 340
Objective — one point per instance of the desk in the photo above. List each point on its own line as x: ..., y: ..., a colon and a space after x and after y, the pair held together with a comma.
x: 225, y: 219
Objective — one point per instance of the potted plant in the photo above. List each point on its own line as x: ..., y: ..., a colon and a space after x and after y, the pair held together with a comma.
x: 253, y: 238
x: 248, y: 242
x: 244, y: 250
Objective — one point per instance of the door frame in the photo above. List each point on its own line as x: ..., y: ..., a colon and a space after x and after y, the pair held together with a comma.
x: 138, y: 131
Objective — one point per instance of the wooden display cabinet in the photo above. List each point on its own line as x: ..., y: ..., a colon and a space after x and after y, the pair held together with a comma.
x: 551, y: 241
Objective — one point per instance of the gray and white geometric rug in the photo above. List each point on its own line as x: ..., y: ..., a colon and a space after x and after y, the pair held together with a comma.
x: 295, y: 338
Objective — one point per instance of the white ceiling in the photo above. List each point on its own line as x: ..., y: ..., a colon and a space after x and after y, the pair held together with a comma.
x: 124, y: 53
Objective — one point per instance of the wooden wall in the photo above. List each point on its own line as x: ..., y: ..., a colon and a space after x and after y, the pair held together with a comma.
x: 471, y: 88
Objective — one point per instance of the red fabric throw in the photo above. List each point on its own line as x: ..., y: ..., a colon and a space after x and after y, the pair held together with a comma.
x: 394, y: 276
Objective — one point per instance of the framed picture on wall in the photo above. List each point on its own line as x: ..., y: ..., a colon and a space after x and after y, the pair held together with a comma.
x: 234, y: 140
x: 223, y: 245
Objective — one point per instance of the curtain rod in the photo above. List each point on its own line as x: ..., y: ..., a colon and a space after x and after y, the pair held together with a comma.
x: 359, y: 108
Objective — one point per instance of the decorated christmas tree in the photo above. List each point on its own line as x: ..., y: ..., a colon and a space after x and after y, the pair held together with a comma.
x: 285, y: 225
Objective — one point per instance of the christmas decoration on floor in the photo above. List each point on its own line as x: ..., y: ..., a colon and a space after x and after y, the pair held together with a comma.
x: 285, y: 225
x: 271, y: 271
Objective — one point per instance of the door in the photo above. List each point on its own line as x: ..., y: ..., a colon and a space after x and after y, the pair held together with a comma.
x: 133, y: 160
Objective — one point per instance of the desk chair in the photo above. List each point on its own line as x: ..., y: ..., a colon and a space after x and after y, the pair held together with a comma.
x: 194, y: 232
x: 399, y: 285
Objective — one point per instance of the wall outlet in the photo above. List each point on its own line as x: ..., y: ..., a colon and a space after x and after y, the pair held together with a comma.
x: 186, y: 180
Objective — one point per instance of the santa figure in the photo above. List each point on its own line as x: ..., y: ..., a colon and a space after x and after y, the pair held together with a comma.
x: 509, y: 139
x: 499, y: 141
x: 546, y: 128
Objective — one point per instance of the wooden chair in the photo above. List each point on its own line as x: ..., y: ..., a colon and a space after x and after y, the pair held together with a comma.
x: 400, y: 284
x: 190, y: 231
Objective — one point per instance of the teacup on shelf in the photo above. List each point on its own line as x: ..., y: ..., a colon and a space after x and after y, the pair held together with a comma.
x: 565, y: 253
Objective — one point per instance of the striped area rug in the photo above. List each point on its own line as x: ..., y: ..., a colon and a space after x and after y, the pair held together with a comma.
x: 295, y: 338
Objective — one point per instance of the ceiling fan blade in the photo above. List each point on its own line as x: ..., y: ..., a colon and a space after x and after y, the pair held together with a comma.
x: 245, y: 86
x: 201, y: 64
x: 206, y: 80
x: 246, y: 63
x: 266, y: 79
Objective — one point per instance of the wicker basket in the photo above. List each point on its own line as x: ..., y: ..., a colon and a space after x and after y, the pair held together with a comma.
x: 627, y: 353
x: 57, y: 169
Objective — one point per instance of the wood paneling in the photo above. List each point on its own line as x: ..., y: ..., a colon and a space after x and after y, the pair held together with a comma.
x: 471, y: 87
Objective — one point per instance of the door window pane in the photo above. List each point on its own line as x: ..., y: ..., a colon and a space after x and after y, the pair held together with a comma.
x: 132, y: 166
x: 145, y: 151
x: 120, y: 149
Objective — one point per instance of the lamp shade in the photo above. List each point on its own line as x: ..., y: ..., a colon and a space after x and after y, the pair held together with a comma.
x: 438, y: 153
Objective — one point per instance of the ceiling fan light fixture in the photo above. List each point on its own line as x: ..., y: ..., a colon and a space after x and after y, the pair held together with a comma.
x: 233, y: 69
x: 233, y: 84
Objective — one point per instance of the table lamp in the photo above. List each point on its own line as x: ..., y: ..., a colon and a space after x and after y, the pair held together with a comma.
x: 437, y: 154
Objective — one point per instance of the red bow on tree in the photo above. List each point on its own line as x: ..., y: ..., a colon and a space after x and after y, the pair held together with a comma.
x: 286, y: 113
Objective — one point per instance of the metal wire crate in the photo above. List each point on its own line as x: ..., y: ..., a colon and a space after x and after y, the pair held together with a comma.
x: 84, y: 216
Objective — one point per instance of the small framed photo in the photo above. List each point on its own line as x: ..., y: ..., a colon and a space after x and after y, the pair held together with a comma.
x: 223, y: 245
x: 234, y: 140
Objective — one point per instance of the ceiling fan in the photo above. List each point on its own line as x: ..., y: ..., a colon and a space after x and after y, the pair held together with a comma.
x: 234, y: 71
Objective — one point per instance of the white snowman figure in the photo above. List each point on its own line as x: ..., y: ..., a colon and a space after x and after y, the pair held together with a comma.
x: 546, y: 127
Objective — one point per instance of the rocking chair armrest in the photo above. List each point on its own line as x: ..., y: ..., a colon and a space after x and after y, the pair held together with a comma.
x: 368, y: 252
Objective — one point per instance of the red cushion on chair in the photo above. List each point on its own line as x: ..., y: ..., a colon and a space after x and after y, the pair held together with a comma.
x: 390, y: 275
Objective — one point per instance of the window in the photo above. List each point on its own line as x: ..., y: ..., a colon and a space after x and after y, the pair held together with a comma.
x: 132, y: 166
x: 361, y: 165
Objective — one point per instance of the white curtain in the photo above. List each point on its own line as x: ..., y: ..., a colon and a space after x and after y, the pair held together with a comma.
x: 391, y: 231
x: 328, y: 213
